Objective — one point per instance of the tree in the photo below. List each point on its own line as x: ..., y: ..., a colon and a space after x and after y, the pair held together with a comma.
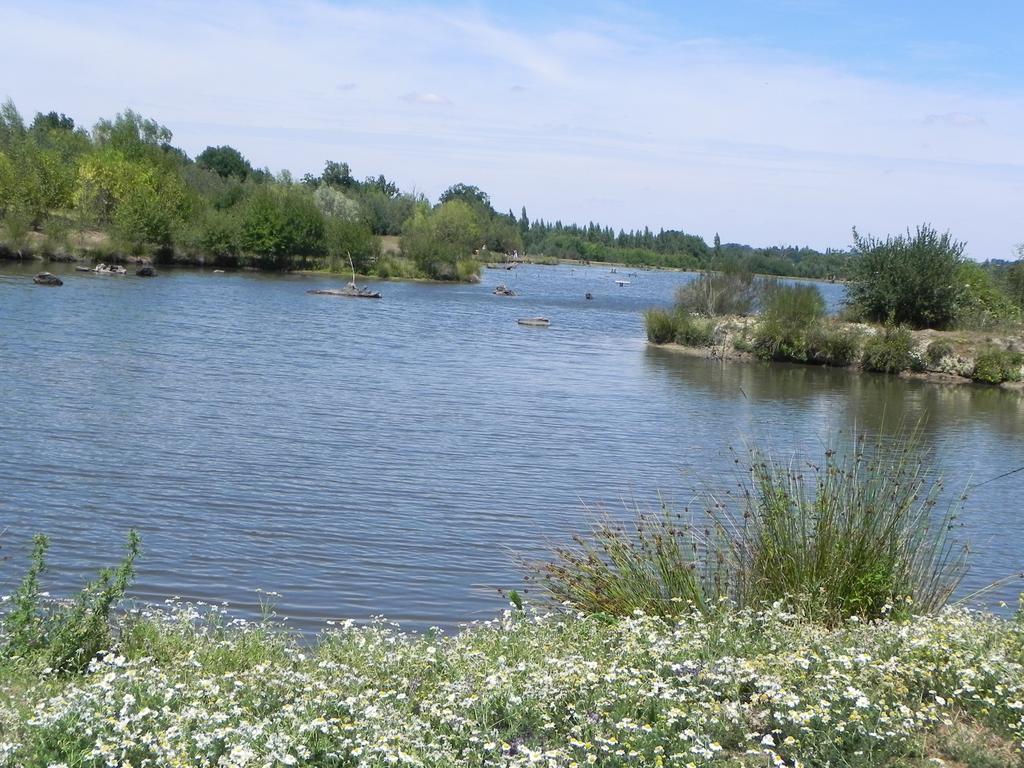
x: 1015, y: 278
x: 143, y: 221
x: 12, y: 127
x: 337, y: 175
x: 388, y: 188
x: 344, y: 239
x: 107, y: 177
x: 333, y: 203
x: 225, y: 161
x: 51, y: 121
x: 280, y: 224
x: 134, y: 136
x: 467, y: 193
x: 439, y: 239
x: 385, y: 215
x: 908, y: 279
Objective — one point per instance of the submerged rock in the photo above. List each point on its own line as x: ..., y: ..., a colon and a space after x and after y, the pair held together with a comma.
x: 146, y: 271
x: 46, y: 278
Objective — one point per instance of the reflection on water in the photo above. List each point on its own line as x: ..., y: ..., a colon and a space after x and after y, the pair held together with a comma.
x: 386, y: 457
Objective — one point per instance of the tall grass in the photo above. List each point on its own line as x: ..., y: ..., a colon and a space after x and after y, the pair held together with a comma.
x: 665, y: 326
x: 654, y: 565
x: 713, y: 294
x: 791, y: 311
x: 856, y: 535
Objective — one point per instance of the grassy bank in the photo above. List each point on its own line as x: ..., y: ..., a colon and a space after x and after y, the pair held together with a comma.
x: 745, y: 689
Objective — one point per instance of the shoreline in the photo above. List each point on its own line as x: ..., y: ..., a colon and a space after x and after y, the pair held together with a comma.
x: 727, y: 353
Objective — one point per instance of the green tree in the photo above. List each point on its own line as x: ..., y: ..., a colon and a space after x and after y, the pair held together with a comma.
x: 337, y: 175
x: 908, y: 279
x: 502, y: 235
x: 343, y: 238
x: 136, y: 137
x: 1015, y: 279
x: 51, y: 121
x: 469, y: 194
x: 143, y: 221
x: 220, y: 235
x: 439, y: 239
x: 983, y: 302
x: 383, y: 214
x: 225, y: 161
x: 334, y: 203
x: 279, y: 225
x: 12, y: 126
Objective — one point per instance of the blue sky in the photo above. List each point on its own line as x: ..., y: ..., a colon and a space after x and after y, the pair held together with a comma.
x: 769, y: 122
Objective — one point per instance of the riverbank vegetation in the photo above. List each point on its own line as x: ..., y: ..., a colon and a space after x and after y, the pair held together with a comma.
x: 123, y: 190
x: 914, y: 304
x: 806, y: 628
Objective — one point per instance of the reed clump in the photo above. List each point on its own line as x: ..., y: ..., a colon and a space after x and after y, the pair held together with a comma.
x: 857, y: 534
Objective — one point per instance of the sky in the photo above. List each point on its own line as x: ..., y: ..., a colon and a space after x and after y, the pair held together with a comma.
x: 769, y: 122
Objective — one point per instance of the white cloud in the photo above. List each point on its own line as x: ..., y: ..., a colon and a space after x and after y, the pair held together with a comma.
x: 427, y: 98
x: 578, y: 122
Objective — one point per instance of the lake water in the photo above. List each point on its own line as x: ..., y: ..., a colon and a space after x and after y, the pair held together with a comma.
x: 388, y: 457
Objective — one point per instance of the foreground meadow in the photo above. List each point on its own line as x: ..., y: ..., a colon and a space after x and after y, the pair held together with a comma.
x: 187, y: 687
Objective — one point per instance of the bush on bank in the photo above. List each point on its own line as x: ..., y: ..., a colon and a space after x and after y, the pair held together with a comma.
x: 852, y: 534
x: 995, y: 366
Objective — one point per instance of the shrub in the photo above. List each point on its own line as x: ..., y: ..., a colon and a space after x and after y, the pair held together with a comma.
x: 908, y: 279
x: 467, y: 270
x: 395, y: 267
x: 713, y: 294
x: 143, y: 222
x: 694, y: 332
x: 994, y: 366
x: 437, y: 240
x: 661, y: 326
x: 791, y: 312
x: 854, y: 535
x: 220, y: 235
x: 653, y: 567
x: 344, y: 239
x: 983, y: 303
x: 937, y: 351
x: 17, y: 224
x: 831, y: 344
x: 65, y: 636
x: 281, y: 224
x: 890, y: 351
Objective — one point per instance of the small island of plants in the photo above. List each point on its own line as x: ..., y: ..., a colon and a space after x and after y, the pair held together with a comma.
x: 915, y: 305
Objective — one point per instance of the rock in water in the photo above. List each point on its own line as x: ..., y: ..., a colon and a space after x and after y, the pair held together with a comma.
x: 146, y: 272
x: 45, y: 278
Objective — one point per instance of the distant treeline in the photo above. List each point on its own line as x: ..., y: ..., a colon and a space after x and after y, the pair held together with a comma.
x: 673, y: 248
x: 123, y: 189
